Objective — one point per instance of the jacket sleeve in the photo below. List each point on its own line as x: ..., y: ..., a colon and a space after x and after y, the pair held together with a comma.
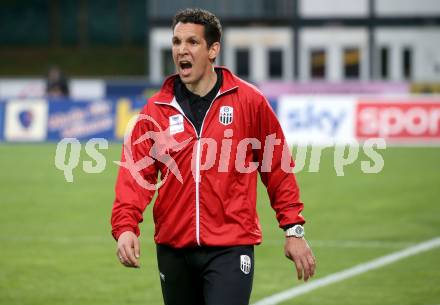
x: 276, y: 167
x: 131, y: 195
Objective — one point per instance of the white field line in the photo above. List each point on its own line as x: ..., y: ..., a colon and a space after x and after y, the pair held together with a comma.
x: 348, y: 273
x: 348, y: 243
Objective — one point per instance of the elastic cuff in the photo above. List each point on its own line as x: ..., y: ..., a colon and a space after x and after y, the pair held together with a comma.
x: 286, y: 227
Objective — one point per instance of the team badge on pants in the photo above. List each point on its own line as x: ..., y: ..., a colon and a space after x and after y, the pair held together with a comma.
x: 245, y: 264
x: 226, y: 115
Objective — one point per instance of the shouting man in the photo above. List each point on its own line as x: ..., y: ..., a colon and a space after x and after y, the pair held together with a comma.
x: 209, y: 134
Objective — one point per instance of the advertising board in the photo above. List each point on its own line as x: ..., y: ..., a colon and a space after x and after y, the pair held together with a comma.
x: 319, y: 120
x: 403, y: 120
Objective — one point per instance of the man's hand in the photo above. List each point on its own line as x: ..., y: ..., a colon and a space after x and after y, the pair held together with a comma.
x: 128, y: 249
x: 300, y: 253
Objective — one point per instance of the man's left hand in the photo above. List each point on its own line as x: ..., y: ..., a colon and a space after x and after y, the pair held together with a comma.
x: 298, y: 250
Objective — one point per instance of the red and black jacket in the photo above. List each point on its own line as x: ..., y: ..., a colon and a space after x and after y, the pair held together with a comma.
x: 211, y: 199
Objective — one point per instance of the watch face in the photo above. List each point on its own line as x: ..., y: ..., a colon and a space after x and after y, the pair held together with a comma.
x: 296, y: 231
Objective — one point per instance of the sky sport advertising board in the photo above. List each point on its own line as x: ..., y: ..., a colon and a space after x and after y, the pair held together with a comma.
x: 317, y: 120
x: 413, y: 120
x: 326, y: 120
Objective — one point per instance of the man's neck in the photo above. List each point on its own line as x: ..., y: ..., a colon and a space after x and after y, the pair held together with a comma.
x: 204, y: 85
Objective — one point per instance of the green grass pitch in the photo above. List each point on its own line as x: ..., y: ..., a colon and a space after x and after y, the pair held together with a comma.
x: 56, y: 247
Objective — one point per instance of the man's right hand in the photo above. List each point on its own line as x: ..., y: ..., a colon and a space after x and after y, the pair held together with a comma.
x: 128, y: 249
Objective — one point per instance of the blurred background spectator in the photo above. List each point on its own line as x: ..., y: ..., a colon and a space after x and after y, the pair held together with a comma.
x: 56, y: 83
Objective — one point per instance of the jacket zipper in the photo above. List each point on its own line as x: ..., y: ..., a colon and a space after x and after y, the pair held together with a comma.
x: 197, y: 169
x: 199, y: 136
x: 198, y: 188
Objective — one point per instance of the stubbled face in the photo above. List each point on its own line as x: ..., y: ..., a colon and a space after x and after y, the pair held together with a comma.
x: 191, y: 54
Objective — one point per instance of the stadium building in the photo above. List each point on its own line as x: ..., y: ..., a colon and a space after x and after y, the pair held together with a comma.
x: 314, y: 40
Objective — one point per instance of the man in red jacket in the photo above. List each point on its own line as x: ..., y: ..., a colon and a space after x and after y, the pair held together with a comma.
x: 208, y: 133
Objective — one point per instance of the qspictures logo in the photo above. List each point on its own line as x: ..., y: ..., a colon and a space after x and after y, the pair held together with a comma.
x: 157, y: 144
x: 162, y: 141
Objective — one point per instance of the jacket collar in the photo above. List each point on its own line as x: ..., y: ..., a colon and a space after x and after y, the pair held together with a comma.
x: 166, y: 93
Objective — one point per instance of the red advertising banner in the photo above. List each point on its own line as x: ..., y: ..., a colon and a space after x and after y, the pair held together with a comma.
x: 404, y: 120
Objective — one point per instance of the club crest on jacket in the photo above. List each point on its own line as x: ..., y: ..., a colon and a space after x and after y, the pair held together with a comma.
x: 226, y: 115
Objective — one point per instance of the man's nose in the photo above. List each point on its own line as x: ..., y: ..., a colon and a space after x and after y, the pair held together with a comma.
x: 183, y: 48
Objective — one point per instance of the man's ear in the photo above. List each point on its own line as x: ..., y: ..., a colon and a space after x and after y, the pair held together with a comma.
x: 214, y: 50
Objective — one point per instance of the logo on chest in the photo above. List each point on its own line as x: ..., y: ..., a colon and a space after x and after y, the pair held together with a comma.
x: 226, y: 115
x: 176, y: 124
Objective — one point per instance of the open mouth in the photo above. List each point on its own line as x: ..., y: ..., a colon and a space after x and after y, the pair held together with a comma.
x: 185, y: 67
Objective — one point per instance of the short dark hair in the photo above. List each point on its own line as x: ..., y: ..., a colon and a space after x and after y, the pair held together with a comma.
x: 213, y: 28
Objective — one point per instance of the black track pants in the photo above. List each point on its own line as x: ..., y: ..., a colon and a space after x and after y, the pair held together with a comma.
x: 206, y: 275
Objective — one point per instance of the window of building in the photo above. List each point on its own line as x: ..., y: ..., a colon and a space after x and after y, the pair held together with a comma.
x: 351, y: 63
x: 384, y: 54
x: 318, y: 63
x: 407, y: 63
x: 275, y: 63
x: 242, y: 57
x: 167, y: 62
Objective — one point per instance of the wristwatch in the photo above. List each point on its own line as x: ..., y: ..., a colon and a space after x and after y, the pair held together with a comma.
x: 295, y: 231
